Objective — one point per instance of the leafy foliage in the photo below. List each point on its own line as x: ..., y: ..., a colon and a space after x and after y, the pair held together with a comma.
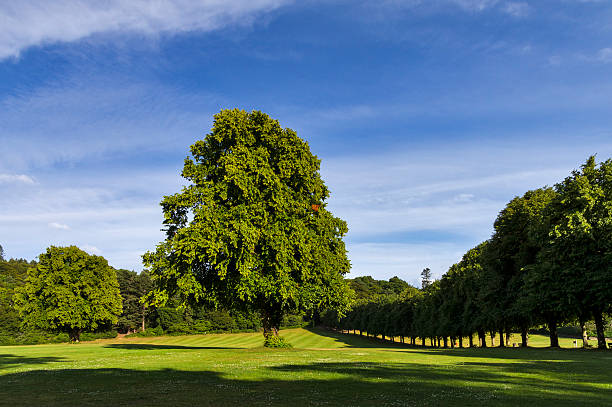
x: 69, y: 290
x: 243, y: 234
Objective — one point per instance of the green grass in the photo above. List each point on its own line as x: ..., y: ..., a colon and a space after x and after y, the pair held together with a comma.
x: 323, y: 368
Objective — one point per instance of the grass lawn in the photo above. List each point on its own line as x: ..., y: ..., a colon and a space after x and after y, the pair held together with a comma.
x: 324, y: 368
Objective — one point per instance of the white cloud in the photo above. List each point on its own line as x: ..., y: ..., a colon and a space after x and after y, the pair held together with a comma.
x: 517, y: 9
x: 38, y: 22
x: 16, y: 178
x: 91, y: 249
x: 605, y: 55
x: 475, y: 5
x: 56, y: 225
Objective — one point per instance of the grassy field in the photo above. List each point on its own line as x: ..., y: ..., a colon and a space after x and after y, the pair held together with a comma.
x: 324, y: 368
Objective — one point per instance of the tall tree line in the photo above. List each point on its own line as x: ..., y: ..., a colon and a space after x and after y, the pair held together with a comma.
x: 549, y: 261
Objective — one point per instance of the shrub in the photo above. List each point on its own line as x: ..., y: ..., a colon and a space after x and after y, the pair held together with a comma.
x: 272, y: 341
x: 157, y: 331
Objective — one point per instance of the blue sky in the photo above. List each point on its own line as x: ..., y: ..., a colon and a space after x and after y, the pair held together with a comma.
x: 428, y: 115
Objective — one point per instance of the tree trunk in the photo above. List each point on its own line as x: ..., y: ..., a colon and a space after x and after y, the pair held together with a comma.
x: 552, y: 329
x: 461, y: 341
x: 452, y: 341
x: 501, y: 338
x: 585, y: 336
x: 445, y: 340
x: 508, y: 335
x: 75, y: 334
x: 524, y: 337
x: 471, y: 340
x: 483, y: 339
x: 492, y: 333
x: 599, y: 326
x: 270, y: 321
x: 143, y: 319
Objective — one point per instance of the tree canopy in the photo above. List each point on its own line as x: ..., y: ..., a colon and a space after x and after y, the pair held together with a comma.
x: 69, y: 291
x: 251, y: 230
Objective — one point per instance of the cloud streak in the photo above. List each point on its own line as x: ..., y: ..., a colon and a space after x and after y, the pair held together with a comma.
x: 39, y: 22
x: 61, y: 226
x: 16, y: 178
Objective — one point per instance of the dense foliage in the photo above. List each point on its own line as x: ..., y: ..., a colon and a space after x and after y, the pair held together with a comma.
x: 69, y: 291
x: 251, y: 231
x: 549, y: 262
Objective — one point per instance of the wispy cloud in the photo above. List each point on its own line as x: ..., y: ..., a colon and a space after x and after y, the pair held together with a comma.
x: 56, y: 225
x: 475, y: 5
x: 91, y: 249
x: 604, y: 55
x: 16, y: 178
x: 517, y: 9
x: 78, y: 112
x: 38, y: 22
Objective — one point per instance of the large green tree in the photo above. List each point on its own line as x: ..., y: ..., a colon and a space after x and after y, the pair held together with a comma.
x: 576, y: 262
x: 251, y: 230
x: 511, y: 250
x: 69, y: 291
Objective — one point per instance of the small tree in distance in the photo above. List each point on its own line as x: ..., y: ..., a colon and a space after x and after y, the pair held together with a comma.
x: 69, y: 291
x: 425, y: 278
x: 251, y: 231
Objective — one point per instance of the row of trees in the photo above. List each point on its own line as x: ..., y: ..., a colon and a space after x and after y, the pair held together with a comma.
x: 549, y: 261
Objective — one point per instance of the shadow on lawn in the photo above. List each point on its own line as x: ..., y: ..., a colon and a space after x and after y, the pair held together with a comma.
x: 511, y: 353
x: 356, y: 341
x: 7, y: 360
x: 148, y: 346
x: 349, y: 383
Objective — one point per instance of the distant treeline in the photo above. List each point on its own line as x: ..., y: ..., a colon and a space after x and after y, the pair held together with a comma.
x: 134, y: 319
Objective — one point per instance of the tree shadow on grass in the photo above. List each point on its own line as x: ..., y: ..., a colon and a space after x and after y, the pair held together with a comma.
x: 356, y: 341
x: 342, y: 383
x: 148, y: 346
x: 7, y: 360
x: 512, y: 353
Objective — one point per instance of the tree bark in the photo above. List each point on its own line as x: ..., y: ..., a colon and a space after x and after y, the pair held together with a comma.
x: 583, y: 331
x: 471, y: 340
x: 508, y: 335
x: 492, y: 333
x: 524, y: 337
x: 501, y: 338
x: 461, y: 341
x: 143, y: 318
x: 445, y: 340
x: 599, y: 326
x: 74, y: 334
x: 271, y: 319
x: 483, y: 339
x: 552, y: 329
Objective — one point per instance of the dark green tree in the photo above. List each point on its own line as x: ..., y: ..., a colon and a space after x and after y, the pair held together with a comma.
x: 251, y: 230
x: 510, y: 251
x: 69, y: 291
x: 425, y: 278
x: 576, y: 263
x: 133, y: 287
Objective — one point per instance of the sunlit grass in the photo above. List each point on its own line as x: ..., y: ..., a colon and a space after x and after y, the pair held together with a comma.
x: 324, y: 368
